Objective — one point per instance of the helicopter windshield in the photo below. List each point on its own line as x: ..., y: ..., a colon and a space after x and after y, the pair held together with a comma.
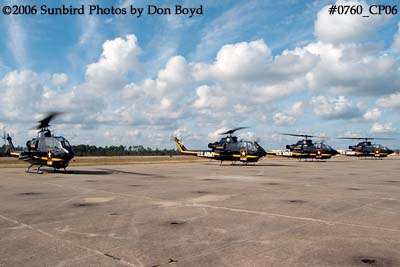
x: 64, y: 142
x: 249, y: 146
x: 328, y: 147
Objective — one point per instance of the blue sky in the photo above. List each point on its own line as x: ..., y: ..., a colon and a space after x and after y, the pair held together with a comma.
x: 285, y: 66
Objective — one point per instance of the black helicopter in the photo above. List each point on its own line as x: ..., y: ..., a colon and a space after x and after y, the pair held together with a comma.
x: 46, y: 149
x: 229, y: 148
x: 366, y: 149
x: 306, y: 149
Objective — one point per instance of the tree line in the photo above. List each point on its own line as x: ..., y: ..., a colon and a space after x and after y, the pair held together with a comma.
x: 91, y: 150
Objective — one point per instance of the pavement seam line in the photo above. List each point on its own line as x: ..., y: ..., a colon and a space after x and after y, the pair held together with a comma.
x: 296, y: 218
x: 63, y: 240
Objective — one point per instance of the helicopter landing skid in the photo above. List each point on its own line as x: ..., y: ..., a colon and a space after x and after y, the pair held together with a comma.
x: 56, y: 170
x: 38, y: 171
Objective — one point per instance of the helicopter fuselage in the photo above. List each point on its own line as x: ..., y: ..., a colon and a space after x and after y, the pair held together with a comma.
x: 47, y: 150
x: 306, y: 149
x: 367, y: 149
x: 227, y: 149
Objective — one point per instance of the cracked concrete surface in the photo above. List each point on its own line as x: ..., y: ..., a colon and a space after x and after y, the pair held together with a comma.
x: 343, y: 212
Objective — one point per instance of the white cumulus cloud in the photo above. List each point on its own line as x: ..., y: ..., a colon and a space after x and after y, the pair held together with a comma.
x: 59, y: 79
x: 335, y: 108
x: 241, y: 61
x: 390, y: 101
x: 372, y: 114
x: 382, y: 128
x: 210, y: 97
x: 21, y: 93
x: 119, y: 56
x: 289, y: 117
x: 356, y: 69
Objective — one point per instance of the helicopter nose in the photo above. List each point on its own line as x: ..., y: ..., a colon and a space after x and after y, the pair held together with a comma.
x: 264, y: 153
x: 261, y: 150
x: 70, y: 153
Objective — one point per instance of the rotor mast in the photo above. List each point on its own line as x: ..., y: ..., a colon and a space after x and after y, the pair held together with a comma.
x: 44, y: 124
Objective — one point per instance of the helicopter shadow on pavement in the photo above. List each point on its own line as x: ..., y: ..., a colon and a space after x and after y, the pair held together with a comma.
x: 94, y: 172
x: 77, y: 172
x: 90, y: 172
x: 113, y: 171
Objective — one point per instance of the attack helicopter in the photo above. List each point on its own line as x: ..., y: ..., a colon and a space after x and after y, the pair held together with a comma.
x: 305, y: 149
x: 229, y: 148
x: 46, y: 149
x: 366, y: 149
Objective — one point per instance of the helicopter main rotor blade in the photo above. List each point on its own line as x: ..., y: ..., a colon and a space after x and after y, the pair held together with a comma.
x: 44, y: 123
x: 366, y: 138
x: 233, y: 130
x: 303, y: 135
x: 354, y: 138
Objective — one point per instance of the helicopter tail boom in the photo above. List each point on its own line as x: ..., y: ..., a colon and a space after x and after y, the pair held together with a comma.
x: 11, y: 148
x: 198, y: 153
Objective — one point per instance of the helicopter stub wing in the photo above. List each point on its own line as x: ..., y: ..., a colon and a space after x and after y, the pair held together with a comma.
x: 15, y: 154
x: 21, y: 155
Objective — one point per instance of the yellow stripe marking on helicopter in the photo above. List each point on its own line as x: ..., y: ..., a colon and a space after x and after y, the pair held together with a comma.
x: 46, y: 158
x: 248, y: 156
x: 56, y: 159
x: 203, y: 154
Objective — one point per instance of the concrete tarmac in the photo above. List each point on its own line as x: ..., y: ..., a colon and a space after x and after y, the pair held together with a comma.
x: 342, y: 212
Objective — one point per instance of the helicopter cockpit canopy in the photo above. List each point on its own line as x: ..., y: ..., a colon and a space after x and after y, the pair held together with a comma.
x: 323, y: 146
x: 305, y: 142
x: 63, y: 142
x: 248, y: 146
x: 228, y: 139
x: 377, y: 146
x: 364, y: 144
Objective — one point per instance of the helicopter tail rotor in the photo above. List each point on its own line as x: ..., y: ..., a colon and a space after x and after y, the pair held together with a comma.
x: 10, y: 146
x: 4, y: 136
